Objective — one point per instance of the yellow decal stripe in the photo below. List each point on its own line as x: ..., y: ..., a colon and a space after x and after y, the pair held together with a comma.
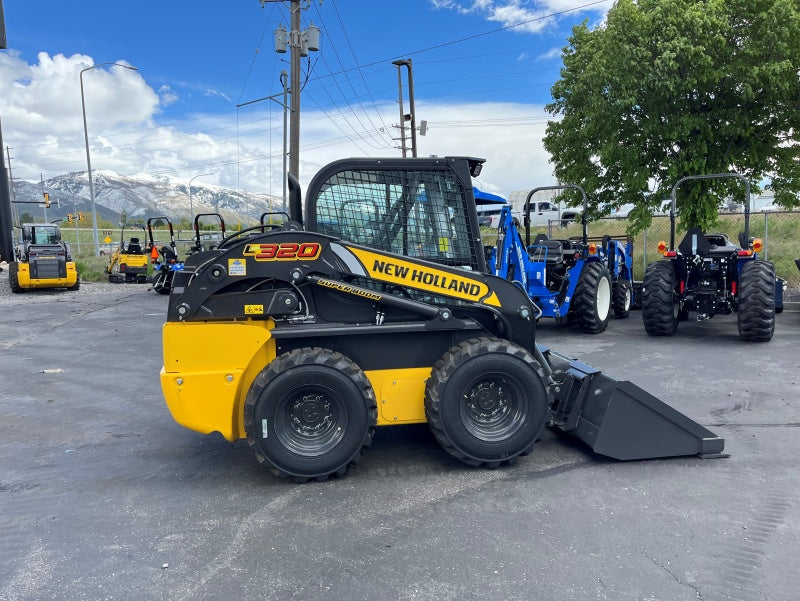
x: 389, y: 268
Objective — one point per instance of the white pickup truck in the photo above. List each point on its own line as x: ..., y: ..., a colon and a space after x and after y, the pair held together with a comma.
x: 543, y: 212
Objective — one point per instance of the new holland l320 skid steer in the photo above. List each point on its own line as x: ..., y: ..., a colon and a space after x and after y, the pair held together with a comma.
x: 374, y: 307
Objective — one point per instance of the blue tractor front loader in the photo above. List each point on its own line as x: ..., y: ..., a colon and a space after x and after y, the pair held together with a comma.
x: 577, y: 279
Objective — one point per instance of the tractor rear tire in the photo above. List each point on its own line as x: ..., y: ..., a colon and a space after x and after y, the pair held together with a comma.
x: 591, y: 304
x: 622, y: 298
x: 13, y: 278
x: 310, y: 414
x: 485, y: 402
x: 661, y: 309
x: 756, y: 301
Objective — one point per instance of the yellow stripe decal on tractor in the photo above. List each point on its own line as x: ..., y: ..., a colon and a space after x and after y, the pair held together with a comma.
x: 389, y: 268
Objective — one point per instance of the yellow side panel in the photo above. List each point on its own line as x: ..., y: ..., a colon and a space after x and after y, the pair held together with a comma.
x: 208, y: 369
x: 25, y: 280
x: 400, y: 394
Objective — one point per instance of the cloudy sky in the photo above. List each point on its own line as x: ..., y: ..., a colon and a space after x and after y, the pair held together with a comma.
x: 482, y: 72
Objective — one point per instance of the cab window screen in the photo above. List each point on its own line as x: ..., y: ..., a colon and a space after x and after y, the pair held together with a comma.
x: 414, y: 213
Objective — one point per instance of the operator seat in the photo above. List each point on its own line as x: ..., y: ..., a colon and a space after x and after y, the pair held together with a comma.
x: 551, y: 251
x: 134, y: 248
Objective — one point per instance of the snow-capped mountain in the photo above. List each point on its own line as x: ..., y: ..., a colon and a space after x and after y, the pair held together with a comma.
x: 138, y: 198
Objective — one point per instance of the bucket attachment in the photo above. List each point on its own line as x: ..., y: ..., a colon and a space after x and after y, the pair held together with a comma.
x: 621, y: 420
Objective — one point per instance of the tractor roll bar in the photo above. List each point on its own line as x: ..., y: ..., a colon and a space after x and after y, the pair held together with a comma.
x: 565, y: 187
x: 709, y: 176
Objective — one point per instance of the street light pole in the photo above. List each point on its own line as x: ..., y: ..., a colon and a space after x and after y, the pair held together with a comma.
x: 191, y: 179
x: 88, y: 157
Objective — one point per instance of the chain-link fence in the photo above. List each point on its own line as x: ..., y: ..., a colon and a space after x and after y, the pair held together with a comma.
x: 779, y: 231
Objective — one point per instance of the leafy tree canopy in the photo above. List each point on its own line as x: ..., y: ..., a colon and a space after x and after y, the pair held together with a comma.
x: 670, y: 88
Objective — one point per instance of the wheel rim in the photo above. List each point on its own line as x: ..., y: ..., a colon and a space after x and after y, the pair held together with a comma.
x: 603, y: 298
x: 313, y: 420
x: 628, y: 299
x: 492, y: 407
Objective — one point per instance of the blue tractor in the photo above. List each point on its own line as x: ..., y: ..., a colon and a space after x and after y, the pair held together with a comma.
x: 709, y: 275
x: 578, y: 279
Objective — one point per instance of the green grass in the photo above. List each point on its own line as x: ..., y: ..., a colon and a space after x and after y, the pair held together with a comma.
x: 779, y: 231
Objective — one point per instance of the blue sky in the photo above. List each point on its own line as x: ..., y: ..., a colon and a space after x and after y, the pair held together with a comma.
x: 482, y: 73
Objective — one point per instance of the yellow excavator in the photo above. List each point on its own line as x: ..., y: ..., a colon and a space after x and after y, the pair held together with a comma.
x: 374, y: 307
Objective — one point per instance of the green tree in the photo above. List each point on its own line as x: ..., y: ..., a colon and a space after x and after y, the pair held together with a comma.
x: 670, y: 88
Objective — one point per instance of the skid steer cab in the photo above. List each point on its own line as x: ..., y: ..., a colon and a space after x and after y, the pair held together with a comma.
x: 128, y: 263
x: 42, y: 260
x: 708, y: 275
x: 374, y: 307
x: 579, y: 280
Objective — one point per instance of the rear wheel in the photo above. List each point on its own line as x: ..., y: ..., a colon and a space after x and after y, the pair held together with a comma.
x: 661, y: 308
x: 13, y: 277
x: 485, y: 402
x: 591, y: 304
x: 756, y: 294
x: 310, y: 413
x: 622, y: 299
x: 76, y: 285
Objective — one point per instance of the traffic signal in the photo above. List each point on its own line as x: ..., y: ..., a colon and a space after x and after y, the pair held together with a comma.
x: 46, y: 200
x: 80, y: 216
x: 69, y: 217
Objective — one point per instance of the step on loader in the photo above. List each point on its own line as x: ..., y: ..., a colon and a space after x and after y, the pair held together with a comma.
x: 580, y: 279
x: 709, y: 275
x: 42, y: 260
x: 374, y: 307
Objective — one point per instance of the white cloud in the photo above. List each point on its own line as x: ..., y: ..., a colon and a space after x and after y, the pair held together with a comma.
x: 531, y: 15
x: 43, y: 126
x: 167, y: 96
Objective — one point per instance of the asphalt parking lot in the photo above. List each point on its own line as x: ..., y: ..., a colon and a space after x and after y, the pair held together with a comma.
x: 103, y: 496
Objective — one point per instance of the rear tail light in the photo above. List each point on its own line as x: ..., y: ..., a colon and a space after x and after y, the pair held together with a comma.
x: 662, y: 247
x: 758, y: 245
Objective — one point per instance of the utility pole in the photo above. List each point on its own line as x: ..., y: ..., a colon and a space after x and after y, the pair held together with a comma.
x: 411, y: 117
x: 6, y: 239
x: 300, y: 43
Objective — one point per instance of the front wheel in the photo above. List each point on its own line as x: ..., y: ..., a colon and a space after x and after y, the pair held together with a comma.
x: 13, y: 278
x: 756, y: 293
x: 485, y: 402
x: 310, y: 414
x: 592, y: 300
x: 622, y: 299
x: 661, y: 308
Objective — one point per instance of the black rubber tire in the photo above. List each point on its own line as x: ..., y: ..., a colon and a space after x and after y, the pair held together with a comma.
x: 622, y: 298
x: 13, y: 278
x: 591, y: 303
x: 76, y: 285
x: 756, y: 294
x: 485, y: 402
x: 160, y: 283
x: 661, y: 309
x: 319, y: 410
